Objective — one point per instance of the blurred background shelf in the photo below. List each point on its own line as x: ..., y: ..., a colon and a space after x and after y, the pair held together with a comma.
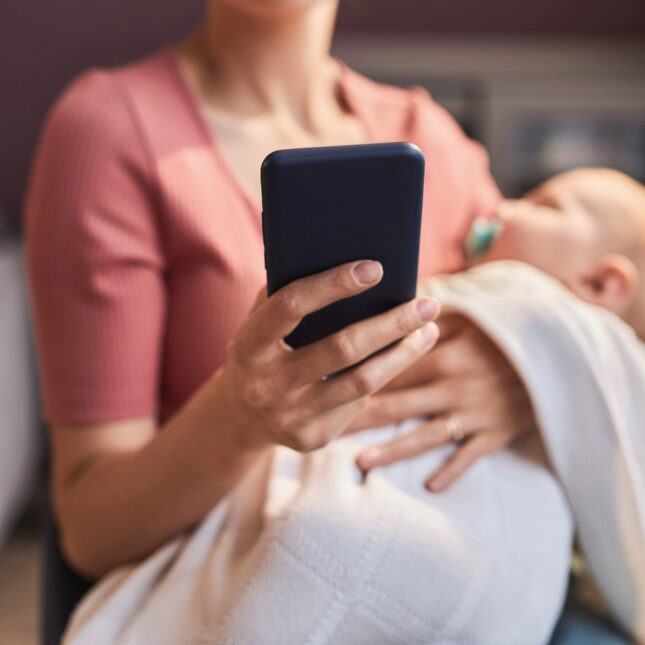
x: 539, y: 105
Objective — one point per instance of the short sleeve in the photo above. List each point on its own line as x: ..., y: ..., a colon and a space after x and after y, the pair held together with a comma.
x: 94, y: 259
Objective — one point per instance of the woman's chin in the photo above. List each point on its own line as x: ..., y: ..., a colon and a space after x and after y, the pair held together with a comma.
x: 269, y: 8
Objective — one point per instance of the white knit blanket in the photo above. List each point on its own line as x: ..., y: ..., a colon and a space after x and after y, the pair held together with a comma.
x: 305, y: 552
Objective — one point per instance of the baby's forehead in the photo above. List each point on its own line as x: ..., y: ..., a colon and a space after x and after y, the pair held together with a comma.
x: 556, y: 189
x: 600, y: 192
x: 571, y: 182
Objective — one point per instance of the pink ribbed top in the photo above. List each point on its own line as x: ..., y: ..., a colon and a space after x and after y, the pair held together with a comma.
x: 144, y: 254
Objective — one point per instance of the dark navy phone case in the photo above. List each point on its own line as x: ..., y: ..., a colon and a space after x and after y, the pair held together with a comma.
x: 327, y: 206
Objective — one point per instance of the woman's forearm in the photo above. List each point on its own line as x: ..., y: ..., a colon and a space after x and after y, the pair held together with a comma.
x: 119, y: 507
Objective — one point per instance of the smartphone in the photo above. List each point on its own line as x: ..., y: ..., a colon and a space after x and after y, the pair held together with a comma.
x: 325, y: 206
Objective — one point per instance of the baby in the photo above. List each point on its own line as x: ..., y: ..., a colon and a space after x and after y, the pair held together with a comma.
x: 584, y: 227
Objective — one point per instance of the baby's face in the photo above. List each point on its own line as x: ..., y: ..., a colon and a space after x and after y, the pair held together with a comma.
x: 550, y: 228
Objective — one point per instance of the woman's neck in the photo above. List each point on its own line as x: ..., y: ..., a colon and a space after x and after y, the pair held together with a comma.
x: 264, y: 62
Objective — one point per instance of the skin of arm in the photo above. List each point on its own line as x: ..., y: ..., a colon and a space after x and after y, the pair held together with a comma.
x: 110, y: 481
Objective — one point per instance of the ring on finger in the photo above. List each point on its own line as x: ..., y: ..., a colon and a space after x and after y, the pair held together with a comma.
x: 453, y: 426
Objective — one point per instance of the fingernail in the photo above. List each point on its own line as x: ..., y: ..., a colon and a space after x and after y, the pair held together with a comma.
x: 367, y: 271
x: 369, y: 457
x: 427, y: 309
x: 435, y: 485
x: 429, y: 334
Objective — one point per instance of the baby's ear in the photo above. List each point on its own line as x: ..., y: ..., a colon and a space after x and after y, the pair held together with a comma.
x: 611, y: 283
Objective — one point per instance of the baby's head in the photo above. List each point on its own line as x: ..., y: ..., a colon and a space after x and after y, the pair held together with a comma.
x: 586, y: 228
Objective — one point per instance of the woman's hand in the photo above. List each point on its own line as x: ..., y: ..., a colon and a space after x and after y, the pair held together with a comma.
x: 300, y: 398
x: 470, y: 393
x: 123, y: 488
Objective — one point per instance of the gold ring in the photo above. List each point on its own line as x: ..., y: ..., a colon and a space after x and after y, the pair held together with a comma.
x: 454, y: 428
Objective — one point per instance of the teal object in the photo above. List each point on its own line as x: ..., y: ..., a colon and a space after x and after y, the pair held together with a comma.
x: 482, y: 234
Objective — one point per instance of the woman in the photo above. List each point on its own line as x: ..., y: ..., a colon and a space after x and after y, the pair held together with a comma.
x: 164, y: 377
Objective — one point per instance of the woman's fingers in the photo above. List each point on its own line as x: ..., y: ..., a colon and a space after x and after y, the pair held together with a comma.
x: 467, y: 396
x: 418, y: 374
x: 281, y: 312
x: 441, y: 363
x: 368, y: 377
x: 395, y: 406
x: 450, y: 324
x: 466, y: 455
x: 412, y: 444
x: 356, y: 342
x: 429, y: 436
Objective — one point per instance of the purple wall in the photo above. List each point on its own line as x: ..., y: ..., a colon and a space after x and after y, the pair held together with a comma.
x: 43, y: 44
x: 565, y: 17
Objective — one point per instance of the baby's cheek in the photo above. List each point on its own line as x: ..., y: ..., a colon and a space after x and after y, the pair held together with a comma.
x: 540, y: 244
x: 515, y: 242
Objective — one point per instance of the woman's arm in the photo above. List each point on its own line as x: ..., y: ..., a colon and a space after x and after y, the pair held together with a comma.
x: 122, y: 489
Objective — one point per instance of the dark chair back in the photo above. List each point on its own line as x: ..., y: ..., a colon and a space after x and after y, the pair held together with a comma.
x: 62, y: 588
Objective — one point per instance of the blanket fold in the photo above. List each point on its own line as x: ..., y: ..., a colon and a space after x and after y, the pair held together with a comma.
x: 585, y: 371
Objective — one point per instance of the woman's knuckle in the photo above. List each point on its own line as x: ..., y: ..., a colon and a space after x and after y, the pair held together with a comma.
x: 343, y: 347
x: 277, y: 424
x: 256, y: 391
x: 365, y: 381
x: 301, y: 441
x: 289, y: 303
x: 234, y: 350
x: 341, y: 281
x: 292, y: 440
x: 413, y: 345
x: 407, y: 320
x: 386, y: 409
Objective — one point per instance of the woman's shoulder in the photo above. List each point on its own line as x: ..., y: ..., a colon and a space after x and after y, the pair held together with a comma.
x: 93, y: 131
x: 105, y: 104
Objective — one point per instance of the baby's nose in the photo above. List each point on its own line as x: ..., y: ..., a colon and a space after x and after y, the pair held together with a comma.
x: 508, y: 208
